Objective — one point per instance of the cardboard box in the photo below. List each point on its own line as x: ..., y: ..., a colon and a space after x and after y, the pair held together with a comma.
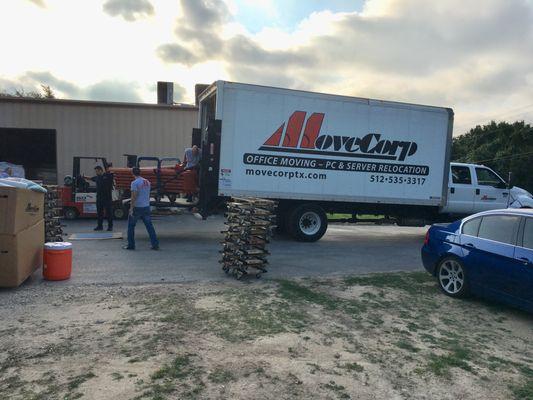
x: 21, y: 254
x: 19, y: 209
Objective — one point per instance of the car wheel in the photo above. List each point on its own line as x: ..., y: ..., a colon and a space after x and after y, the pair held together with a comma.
x: 307, y: 223
x: 452, y: 278
x: 70, y: 213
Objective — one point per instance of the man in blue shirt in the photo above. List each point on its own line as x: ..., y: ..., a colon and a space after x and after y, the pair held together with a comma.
x: 140, y: 209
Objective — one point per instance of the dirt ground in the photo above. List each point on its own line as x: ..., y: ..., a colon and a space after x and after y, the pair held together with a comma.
x: 381, y: 336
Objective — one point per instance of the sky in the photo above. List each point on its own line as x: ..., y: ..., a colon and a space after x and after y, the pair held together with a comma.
x: 474, y: 56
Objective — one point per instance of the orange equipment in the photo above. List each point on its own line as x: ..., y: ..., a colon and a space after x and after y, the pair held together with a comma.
x: 57, y: 265
x: 167, y: 180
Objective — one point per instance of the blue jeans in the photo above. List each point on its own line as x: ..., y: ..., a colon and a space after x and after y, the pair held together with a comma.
x: 144, y: 214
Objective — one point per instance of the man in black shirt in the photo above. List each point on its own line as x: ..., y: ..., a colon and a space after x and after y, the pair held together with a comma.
x: 104, y: 198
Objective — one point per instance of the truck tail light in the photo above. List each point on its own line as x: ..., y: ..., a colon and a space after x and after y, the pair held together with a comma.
x: 426, y: 238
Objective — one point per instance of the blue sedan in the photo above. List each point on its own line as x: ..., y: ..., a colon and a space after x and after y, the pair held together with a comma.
x: 489, y: 254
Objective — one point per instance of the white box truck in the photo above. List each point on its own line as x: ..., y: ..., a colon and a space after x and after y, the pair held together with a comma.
x: 319, y: 153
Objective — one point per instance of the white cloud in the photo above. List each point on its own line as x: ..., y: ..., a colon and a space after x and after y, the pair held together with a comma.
x: 472, y: 56
x: 130, y: 10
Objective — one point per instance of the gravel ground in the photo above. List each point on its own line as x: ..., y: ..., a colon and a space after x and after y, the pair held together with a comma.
x: 379, y: 336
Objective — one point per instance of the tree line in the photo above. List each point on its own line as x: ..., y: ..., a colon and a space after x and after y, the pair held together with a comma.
x: 504, y: 147
x: 45, y: 92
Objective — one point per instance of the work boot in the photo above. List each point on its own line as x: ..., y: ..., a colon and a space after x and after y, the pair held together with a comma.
x: 155, y: 247
x: 128, y: 248
x: 99, y: 228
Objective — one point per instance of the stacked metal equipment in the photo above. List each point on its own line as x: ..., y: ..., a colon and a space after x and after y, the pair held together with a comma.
x: 250, y: 224
x: 52, y: 225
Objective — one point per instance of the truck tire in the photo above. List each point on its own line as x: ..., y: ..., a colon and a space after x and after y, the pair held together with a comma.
x: 120, y: 213
x: 307, y: 223
x: 70, y: 213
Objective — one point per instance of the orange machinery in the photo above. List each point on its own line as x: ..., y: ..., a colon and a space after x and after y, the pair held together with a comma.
x: 166, y: 181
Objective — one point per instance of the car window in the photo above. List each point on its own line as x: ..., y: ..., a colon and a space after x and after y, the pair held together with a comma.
x: 528, y: 234
x: 471, y: 227
x: 500, y: 228
x: 487, y: 178
x: 461, y: 175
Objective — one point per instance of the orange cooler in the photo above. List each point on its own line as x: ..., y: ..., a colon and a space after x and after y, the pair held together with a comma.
x: 57, y: 265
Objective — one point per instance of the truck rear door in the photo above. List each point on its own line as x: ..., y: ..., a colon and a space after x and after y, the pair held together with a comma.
x: 210, y: 136
x: 490, y: 190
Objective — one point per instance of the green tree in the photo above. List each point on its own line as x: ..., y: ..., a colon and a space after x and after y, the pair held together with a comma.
x: 504, y: 147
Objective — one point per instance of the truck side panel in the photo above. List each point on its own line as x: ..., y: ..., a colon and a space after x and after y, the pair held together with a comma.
x: 287, y: 144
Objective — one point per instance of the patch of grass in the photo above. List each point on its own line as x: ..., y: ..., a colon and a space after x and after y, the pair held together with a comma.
x: 117, y: 376
x: 314, y: 368
x: 412, y: 327
x: 76, y: 381
x: 295, y: 292
x: 181, y: 367
x: 353, y: 367
x: 523, y: 391
x: 248, y: 318
x: 221, y: 376
x: 180, y: 375
x: 65, y: 348
x: 406, y: 345
x: 410, y: 282
x: 440, y: 365
x: 426, y: 337
x: 338, y: 389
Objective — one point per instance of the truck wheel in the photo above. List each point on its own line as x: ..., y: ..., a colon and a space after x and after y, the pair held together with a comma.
x: 119, y: 213
x: 70, y: 213
x: 307, y: 223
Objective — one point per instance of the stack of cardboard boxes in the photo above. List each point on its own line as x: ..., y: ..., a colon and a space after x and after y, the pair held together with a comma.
x: 21, y: 234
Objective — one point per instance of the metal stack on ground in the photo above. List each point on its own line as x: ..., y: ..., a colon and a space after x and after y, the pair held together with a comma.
x: 52, y: 225
x: 250, y: 223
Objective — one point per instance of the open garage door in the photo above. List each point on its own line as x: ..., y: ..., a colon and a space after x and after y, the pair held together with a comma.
x: 34, y: 149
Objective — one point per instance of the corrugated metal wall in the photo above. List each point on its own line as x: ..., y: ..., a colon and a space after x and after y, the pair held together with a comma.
x: 104, y: 129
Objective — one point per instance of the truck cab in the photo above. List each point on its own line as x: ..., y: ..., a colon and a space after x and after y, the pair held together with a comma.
x: 473, y: 188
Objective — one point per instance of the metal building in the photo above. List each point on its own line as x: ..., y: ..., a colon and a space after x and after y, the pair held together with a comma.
x: 44, y: 135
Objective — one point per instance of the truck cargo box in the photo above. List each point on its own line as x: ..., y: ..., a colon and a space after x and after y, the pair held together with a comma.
x: 288, y: 144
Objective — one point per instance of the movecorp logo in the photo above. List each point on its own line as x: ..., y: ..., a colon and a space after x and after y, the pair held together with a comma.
x: 302, y: 136
x: 297, y: 139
